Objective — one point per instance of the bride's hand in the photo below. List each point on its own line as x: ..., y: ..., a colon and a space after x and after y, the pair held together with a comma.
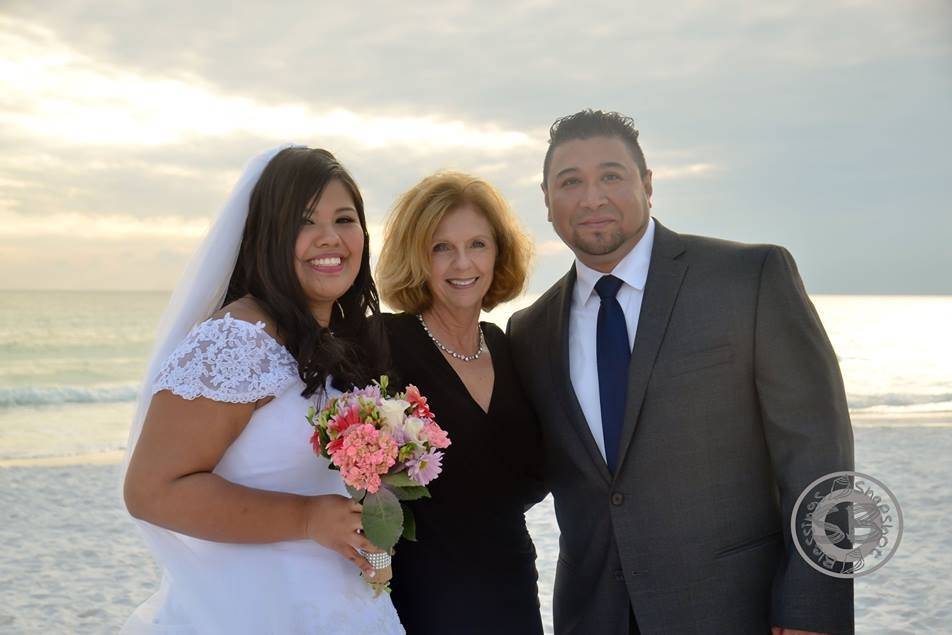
x: 334, y: 522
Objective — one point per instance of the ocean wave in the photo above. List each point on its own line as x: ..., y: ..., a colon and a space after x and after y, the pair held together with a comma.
x: 899, y: 402
x: 49, y: 395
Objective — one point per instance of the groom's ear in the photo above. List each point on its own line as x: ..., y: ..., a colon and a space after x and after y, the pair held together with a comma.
x: 646, y: 182
x: 545, y: 197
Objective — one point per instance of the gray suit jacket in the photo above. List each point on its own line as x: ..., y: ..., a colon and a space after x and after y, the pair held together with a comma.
x: 735, y: 404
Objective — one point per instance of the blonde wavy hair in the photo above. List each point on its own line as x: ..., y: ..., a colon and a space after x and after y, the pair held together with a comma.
x: 403, y: 268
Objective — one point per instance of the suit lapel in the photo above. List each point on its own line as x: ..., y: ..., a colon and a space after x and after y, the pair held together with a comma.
x: 562, y: 376
x: 665, y: 275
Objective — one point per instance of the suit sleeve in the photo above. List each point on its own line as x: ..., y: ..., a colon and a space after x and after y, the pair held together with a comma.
x: 808, y: 433
x: 536, y: 485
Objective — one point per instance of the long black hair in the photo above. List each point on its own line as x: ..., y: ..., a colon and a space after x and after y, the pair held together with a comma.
x: 357, y: 350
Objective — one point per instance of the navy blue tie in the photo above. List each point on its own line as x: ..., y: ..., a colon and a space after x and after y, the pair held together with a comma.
x: 613, y: 355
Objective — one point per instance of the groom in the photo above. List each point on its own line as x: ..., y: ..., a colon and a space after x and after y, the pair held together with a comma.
x: 688, y: 394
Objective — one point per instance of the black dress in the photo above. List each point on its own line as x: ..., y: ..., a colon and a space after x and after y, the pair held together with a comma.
x: 472, y: 568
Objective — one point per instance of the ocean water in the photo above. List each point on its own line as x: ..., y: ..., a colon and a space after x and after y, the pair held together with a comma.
x: 70, y: 367
x: 71, y: 363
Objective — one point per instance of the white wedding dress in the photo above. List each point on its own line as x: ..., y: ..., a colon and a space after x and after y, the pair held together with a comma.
x: 285, y: 587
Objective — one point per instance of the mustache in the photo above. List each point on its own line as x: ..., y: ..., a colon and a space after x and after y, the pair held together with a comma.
x: 601, y: 214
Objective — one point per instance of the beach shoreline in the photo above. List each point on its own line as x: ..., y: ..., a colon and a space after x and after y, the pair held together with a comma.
x: 860, y: 420
x: 74, y: 562
x: 110, y: 457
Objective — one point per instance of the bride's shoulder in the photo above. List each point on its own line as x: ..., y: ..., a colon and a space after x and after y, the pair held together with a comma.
x: 247, y: 309
x: 229, y: 357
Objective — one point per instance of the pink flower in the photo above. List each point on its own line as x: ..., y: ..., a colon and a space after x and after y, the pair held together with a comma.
x: 426, y: 468
x: 420, y: 407
x: 346, y: 417
x: 334, y: 446
x: 316, y: 442
x: 363, y: 455
x: 435, y: 435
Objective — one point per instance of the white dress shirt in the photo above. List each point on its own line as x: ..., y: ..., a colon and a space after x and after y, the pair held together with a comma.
x: 583, y: 319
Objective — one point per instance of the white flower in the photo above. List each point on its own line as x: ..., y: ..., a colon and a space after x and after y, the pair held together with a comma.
x: 412, y: 428
x: 392, y: 411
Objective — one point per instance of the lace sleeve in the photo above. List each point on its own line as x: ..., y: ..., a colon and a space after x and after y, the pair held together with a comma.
x: 228, y: 360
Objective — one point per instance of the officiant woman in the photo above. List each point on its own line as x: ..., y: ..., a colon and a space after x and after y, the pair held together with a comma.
x: 452, y: 249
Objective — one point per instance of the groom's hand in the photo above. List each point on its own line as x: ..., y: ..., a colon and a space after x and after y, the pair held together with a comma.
x: 777, y: 630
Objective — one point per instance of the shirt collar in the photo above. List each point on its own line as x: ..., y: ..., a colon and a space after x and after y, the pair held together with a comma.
x: 632, y: 269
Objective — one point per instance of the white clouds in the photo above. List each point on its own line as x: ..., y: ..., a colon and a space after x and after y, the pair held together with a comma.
x: 123, y: 126
x: 531, y: 180
x: 73, y: 251
x: 673, y: 172
x: 73, y: 226
x: 376, y: 240
x: 550, y: 248
x: 54, y: 92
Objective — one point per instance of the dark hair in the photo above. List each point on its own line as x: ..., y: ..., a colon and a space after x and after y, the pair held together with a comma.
x: 589, y: 123
x: 357, y: 350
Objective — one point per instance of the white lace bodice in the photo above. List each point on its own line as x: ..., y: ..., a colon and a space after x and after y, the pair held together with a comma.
x: 228, y: 360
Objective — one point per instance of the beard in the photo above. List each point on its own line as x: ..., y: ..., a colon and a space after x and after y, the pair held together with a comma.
x: 599, y: 243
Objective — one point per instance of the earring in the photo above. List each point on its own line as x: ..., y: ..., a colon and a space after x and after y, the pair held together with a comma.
x: 341, y: 309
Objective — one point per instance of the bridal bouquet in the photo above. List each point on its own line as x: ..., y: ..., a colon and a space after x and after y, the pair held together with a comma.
x: 387, y: 448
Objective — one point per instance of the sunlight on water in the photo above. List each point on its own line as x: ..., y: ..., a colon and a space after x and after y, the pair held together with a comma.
x: 895, y: 352
x: 71, y: 362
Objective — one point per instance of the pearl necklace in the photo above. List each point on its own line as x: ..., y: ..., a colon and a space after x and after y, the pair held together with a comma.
x: 454, y: 354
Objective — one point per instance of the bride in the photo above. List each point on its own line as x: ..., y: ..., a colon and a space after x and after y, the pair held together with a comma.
x: 253, y: 532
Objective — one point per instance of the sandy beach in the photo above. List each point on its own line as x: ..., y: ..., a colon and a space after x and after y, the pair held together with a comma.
x: 72, y: 561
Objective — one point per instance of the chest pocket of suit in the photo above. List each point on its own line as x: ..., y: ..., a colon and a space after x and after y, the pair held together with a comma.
x: 698, y: 360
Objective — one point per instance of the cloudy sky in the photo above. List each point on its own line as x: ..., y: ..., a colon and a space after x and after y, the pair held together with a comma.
x: 822, y: 126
